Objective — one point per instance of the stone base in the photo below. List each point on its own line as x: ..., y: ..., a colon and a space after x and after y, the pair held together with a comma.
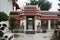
x: 30, y: 32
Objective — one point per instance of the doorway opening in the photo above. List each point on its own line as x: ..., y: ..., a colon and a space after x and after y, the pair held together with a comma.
x: 30, y: 23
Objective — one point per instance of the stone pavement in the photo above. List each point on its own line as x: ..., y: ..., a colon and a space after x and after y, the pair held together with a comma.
x: 37, y: 36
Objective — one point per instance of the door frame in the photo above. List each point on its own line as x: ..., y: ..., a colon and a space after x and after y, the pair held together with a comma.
x: 27, y: 22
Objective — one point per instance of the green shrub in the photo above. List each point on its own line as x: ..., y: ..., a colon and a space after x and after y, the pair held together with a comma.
x: 21, y: 31
x: 3, y: 16
x: 38, y: 31
x: 15, y: 35
x: 16, y: 31
x: 1, y: 34
x: 44, y: 31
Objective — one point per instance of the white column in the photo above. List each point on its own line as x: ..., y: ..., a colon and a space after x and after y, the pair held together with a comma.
x: 35, y: 25
x: 49, y: 24
x: 14, y: 8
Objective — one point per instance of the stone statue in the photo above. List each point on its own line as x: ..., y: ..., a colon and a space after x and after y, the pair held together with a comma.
x: 38, y: 26
x: 22, y: 26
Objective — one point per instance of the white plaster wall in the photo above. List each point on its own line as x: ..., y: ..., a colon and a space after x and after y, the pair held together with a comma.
x: 36, y: 23
x: 6, y: 28
x: 5, y: 22
x: 6, y: 6
x: 24, y: 22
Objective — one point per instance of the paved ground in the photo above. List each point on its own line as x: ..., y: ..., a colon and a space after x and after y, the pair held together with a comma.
x: 37, y: 36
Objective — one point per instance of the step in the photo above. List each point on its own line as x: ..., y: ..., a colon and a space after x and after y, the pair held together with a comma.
x: 30, y: 32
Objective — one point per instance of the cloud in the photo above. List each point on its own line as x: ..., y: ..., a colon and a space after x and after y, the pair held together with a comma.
x: 54, y: 4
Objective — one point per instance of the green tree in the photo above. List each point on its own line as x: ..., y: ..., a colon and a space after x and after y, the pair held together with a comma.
x: 3, y: 16
x: 12, y: 23
x: 34, y: 2
x: 43, y: 4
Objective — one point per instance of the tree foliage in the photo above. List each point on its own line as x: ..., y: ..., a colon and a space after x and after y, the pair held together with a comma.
x: 43, y: 4
x: 34, y: 2
x: 12, y: 21
x: 3, y: 16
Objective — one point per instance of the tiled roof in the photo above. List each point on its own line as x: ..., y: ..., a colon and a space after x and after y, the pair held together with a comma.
x: 49, y: 13
x: 30, y: 10
x: 34, y: 11
x: 30, y: 7
x: 30, y: 14
x: 49, y: 17
x: 14, y: 13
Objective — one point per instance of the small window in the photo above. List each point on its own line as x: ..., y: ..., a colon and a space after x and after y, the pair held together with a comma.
x: 4, y: 25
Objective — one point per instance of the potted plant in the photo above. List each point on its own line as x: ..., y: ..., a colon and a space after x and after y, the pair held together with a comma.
x: 38, y: 31
x: 16, y: 31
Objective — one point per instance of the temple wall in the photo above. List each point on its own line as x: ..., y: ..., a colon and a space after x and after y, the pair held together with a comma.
x: 36, y: 23
x: 4, y: 22
x: 24, y: 22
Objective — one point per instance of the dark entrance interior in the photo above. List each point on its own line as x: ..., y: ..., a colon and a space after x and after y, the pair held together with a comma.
x: 30, y: 23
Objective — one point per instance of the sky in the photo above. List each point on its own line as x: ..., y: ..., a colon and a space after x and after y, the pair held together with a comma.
x: 54, y: 6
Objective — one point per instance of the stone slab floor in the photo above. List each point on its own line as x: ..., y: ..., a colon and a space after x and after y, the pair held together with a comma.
x: 37, y: 36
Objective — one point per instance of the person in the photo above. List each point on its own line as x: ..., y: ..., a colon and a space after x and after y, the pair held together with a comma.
x: 22, y: 26
x: 38, y: 26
